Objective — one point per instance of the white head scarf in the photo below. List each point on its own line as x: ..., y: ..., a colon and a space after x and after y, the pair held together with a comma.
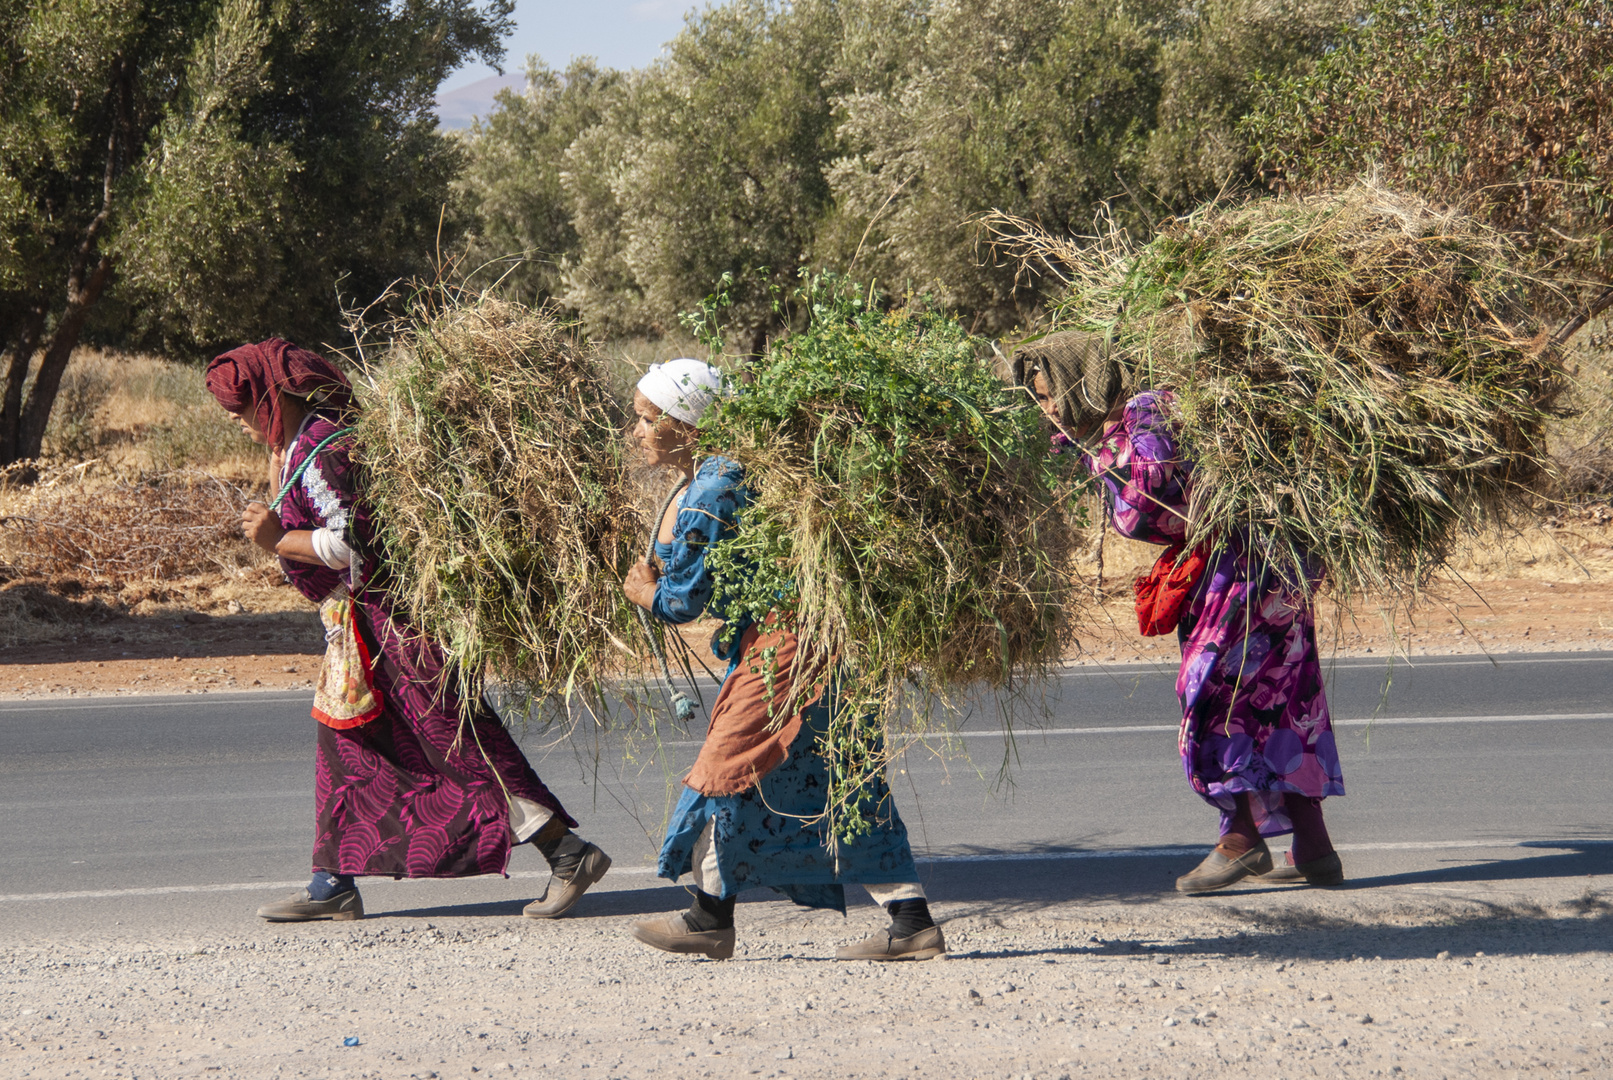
x: 683, y: 389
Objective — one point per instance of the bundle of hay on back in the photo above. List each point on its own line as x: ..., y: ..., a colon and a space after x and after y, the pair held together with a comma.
x: 494, y: 468
x: 1358, y: 376
x: 905, y: 518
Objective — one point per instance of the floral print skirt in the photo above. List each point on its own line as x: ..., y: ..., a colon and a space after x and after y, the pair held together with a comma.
x: 1255, y: 718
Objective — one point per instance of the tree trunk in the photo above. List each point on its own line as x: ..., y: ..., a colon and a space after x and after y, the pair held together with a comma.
x: 86, y: 280
x: 20, y: 355
x: 81, y: 297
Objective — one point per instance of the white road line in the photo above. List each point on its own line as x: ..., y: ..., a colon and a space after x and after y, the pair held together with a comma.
x: 1381, y: 721
x: 1170, y: 664
x: 929, y: 860
x: 1525, y: 718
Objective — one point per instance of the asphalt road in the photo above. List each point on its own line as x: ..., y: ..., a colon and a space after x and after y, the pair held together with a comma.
x: 142, y: 812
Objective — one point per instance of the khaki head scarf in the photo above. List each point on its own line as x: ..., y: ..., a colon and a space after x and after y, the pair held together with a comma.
x: 1082, y: 374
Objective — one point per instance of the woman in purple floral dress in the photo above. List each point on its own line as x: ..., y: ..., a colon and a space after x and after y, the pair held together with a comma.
x: 1256, y: 739
x: 413, y: 791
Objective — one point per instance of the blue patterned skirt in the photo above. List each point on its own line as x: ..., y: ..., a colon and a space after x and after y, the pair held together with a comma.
x: 773, y: 834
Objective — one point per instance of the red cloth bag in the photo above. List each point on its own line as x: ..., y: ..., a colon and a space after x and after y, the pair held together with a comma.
x: 1163, y: 591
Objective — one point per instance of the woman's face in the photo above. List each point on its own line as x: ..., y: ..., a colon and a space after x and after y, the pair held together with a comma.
x: 663, y: 439
x: 1044, y: 398
x: 248, y: 420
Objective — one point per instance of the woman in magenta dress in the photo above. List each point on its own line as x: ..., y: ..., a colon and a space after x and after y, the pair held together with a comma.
x: 1256, y: 739
x: 413, y: 791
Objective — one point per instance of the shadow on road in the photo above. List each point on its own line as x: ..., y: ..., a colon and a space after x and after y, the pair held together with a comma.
x: 1053, y: 876
x: 602, y: 904
x: 1496, y: 935
x: 1501, y: 931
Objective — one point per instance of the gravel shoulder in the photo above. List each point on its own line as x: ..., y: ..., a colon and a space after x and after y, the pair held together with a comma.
x: 1484, y: 963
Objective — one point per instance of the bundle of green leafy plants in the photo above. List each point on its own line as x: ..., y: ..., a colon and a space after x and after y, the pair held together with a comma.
x: 905, y: 520
x: 494, y: 465
x: 1360, y: 382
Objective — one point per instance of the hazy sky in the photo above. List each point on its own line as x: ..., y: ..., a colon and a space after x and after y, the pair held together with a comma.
x: 621, y: 33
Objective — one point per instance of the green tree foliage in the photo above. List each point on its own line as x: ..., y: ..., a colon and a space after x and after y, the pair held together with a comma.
x: 186, y: 173
x: 1211, y: 70
x: 600, y: 283
x: 1053, y: 111
x: 1503, y: 106
x: 512, y: 182
x: 1031, y: 106
x: 864, y: 135
x: 722, y: 169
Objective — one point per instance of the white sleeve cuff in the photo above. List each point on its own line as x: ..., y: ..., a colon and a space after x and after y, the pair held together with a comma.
x: 332, y: 549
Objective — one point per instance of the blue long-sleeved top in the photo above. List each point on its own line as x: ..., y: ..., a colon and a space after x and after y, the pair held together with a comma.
x: 706, y: 514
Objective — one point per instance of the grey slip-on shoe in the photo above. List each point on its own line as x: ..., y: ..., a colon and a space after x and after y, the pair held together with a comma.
x: 1217, y: 871
x: 672, y: 934
x: 300, y: 907
x: 1328, y: 870
x: 563, y: 893
x: 923, y: 945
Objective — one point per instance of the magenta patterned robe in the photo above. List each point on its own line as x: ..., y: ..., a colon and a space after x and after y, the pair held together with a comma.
x: 412, y: 793
x: 1254, y: 710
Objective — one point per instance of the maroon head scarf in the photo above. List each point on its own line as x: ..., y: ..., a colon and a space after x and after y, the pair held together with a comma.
x: 251, y: 375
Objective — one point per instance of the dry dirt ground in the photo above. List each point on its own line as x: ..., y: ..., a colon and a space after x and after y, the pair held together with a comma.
x: 199, y: 645
x: 1476, y: 980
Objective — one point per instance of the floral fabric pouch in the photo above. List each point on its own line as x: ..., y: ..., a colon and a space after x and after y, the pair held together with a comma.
x: 345, y: 695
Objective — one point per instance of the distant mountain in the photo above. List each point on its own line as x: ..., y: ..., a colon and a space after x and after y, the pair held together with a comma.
x: 457, y: 108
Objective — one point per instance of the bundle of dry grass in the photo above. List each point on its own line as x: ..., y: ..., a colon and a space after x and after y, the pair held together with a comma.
x: 494, y: 469
x: 905, y: 518
x: 1359, y: 380
x: 159, y: 526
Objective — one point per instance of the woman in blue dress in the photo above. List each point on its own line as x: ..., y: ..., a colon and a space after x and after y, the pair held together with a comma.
x: 752, y: 809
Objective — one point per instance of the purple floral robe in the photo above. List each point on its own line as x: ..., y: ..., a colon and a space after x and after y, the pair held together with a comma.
x: 1254, y: 710
x: 412, y: 793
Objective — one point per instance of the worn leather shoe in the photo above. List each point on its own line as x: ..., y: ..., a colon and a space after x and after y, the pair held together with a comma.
x: 1217, y: 871
x: 1328, y: 870
x: 672, y: 934
x: 300, y: 907
x: 923, y: 945
x: 562, y: 893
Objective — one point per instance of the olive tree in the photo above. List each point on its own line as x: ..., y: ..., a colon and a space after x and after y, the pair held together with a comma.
x: 716, y: 166
x: 185, y: 173
x: 524, y: 231
x: 1503, y: 107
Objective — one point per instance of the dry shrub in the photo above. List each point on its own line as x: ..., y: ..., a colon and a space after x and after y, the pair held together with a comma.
x: 155, y: 527
x: 75, y: 431
x: 1360, y: 380
x: 1589, y: 469
x: 494, y: 466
